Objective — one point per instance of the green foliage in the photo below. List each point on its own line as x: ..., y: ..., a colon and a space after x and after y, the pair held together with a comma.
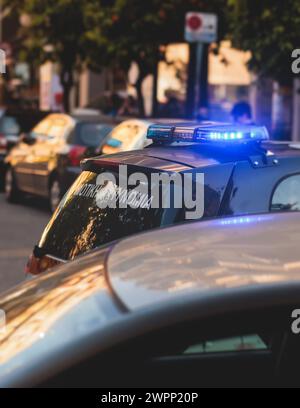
x: 59, y: 23
x: 57, y: 30
x: 106, y: 32
x: 111, y: 33
x: 116, y: 32
x: 134, y: 30
x: 127, y: 31
x: 270, y: 29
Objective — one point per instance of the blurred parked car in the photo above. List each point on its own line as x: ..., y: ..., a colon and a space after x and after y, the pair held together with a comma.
x: 9, y: 136
x: 46, y: 161
x: 129, y: 135
x: 211, y: 304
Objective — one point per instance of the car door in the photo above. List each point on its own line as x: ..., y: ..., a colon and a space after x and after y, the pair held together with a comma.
x: 21, y: 159
x: 237, y: 349
x: 45, y: 153
x: 241, y: 348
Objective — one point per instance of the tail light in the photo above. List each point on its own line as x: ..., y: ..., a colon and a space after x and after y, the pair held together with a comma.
x: 38, y: 264
x: 76, y: 154
x: 3, y: 144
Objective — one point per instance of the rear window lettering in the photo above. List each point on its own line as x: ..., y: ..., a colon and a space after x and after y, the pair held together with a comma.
x: 82, y: 224
x: 109, y: 192
x: 88, y: 191
x: 79, y: 225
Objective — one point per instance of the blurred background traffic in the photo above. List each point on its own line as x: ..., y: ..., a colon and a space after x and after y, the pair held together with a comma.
x: 100, y: 72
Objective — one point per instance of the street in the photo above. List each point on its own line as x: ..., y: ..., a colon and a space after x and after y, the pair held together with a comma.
x: 21, y: 228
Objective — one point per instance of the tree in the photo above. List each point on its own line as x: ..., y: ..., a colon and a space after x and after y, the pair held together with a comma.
x: 270, y: 29
x: 112, y: 33
x: 134, y: 31
x: 56, y: 30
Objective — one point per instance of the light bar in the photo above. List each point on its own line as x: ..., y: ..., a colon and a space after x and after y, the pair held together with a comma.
x: 244, y: 220
x: 160, y: 132
x: 213, y: 133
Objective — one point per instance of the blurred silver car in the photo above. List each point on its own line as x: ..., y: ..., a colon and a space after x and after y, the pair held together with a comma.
x: 129, y: 135
x: 200, y: 304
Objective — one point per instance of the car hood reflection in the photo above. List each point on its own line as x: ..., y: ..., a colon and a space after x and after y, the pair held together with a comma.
x: 41, y: 312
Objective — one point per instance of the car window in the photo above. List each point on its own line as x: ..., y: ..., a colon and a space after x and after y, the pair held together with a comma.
x: 9, y: 126
x: 92, y: 134
x: 42, y: 127
x: 287, y: 195
x: 50, y: 128
x: 234, y: 344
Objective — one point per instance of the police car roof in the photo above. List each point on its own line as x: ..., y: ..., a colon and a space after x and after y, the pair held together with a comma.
x: 193, y: 155
x: 200, y: 154
x: 202, y: 258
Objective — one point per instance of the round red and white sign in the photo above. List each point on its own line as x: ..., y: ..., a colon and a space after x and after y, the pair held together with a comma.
x: 194, y: 22
x: 201, y: 27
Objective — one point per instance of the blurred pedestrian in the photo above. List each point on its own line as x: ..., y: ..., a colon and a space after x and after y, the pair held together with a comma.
x: 172, y: 108
x: 115, y: 103
x: 129, y: 107
x: 242, y: 114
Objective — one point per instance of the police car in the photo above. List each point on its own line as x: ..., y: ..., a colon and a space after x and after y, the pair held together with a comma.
x: 201, y: 304
x: 243, y: 173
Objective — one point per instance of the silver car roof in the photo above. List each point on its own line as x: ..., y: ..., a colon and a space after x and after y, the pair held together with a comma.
x: 205, y: 257
x: 69, y: 315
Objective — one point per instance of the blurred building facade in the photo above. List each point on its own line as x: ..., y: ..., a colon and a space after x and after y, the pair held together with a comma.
x: 229, y: 81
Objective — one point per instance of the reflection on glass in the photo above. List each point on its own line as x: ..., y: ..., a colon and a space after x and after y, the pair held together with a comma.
x: 287, y: 195
x: 235, y: 344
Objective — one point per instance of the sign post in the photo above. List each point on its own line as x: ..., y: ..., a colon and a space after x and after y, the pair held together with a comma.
x: 200, y: 29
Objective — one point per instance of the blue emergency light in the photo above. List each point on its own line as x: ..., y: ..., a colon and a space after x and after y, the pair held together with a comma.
x: 212, y: 133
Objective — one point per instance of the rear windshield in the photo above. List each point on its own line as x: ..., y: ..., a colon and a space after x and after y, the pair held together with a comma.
x: 79, y: 225
x: 92, y: 134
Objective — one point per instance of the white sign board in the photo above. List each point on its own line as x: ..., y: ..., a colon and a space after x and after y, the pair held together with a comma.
x: 201, y: 27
